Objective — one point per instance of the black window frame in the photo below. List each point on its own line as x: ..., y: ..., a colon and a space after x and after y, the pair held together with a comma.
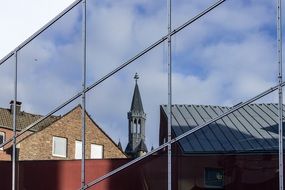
x: 220, y: 183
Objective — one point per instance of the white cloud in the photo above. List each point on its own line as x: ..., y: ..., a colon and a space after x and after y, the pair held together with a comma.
x: 20, y: 19
x: 227, y: 56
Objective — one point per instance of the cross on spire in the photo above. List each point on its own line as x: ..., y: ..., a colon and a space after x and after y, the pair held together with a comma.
x: 136, y: 77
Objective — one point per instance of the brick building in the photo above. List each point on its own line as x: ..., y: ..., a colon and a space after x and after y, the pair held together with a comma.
x: 57, y: 137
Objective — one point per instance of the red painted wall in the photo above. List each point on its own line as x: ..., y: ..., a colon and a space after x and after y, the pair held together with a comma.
x: 240, y: 172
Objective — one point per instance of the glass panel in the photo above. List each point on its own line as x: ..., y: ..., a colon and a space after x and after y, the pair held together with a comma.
x: 115, y: 38
x: 115, y: 104
x: 49, y: 69
x: 7, y: 79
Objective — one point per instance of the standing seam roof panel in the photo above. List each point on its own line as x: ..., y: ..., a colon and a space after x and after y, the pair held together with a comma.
x: 266, y: 118
x: 273, y: 116
x: 207, y: 131
x: 229, y: 129
x: 179, y: 130
x: 244, y: 131
x: 221, y: 138
x: 275, y: 107
x: 265, y: 139
x: 192, y: 137
x: 247, y: 129
x: 274, y: 111
x: 250, y: 130
x: 263, y: 124
x: 235, y: 131
x: 225, y: 130
x: 202, y: 138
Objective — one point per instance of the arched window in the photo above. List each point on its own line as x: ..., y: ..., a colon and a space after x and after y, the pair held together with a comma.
x: 135, y: 126
x: 139, y: 126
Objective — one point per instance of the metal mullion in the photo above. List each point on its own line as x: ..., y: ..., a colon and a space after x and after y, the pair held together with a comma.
x: 169, y: 110
x: 83, y: 103
x: 280, y: 91
x: 14, y: 123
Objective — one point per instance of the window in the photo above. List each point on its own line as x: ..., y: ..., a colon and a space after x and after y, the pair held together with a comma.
x: 59, y: 147
x: 78, y: 149
x: 96, y: 151
x: 2, y: 139
x: 214, y: 177
x: 135, y: 126
x: 139, y: 127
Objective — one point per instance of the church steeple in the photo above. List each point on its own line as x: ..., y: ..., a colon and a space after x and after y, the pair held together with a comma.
x: 137, y: 105
x: 136, y: 116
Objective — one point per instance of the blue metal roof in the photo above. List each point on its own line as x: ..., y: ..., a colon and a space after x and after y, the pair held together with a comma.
x: 253, y: 128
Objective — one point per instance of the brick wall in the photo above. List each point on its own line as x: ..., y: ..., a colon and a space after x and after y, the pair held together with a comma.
x: 5, y: 154
x: 39, y: 145
x: 8, y: 134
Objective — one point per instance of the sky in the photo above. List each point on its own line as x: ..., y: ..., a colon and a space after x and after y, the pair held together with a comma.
x: 224, y: 58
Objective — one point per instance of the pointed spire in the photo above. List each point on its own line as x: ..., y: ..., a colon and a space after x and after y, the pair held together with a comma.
x: 137, y: 105
x: 120, y: 145
x: 142, y: 147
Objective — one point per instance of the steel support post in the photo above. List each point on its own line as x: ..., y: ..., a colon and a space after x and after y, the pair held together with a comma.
x: 14, y: 152
x: 280, y: 91
x: 83, y: 103
x: 169, y: 64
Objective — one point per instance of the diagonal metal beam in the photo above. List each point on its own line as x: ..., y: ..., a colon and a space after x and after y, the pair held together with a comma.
x: 175, y: 31
x: 41, y: 30
x: 94, y: 182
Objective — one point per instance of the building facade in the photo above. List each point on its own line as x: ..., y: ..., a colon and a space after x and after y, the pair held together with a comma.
x: 59, y: 138
x: 239, y: 151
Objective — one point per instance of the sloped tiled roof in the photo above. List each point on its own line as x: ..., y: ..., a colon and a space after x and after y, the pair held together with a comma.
x: 253, y: 128
x: 24, y: 119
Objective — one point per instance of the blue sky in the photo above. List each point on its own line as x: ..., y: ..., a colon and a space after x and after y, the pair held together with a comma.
x: 224, y: 58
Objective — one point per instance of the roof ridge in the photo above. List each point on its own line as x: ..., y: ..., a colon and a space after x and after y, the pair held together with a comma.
x: 216, y: 105
x: 34, y: 114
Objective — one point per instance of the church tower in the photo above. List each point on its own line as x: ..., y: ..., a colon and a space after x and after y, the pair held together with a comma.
x: 136, y: 146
